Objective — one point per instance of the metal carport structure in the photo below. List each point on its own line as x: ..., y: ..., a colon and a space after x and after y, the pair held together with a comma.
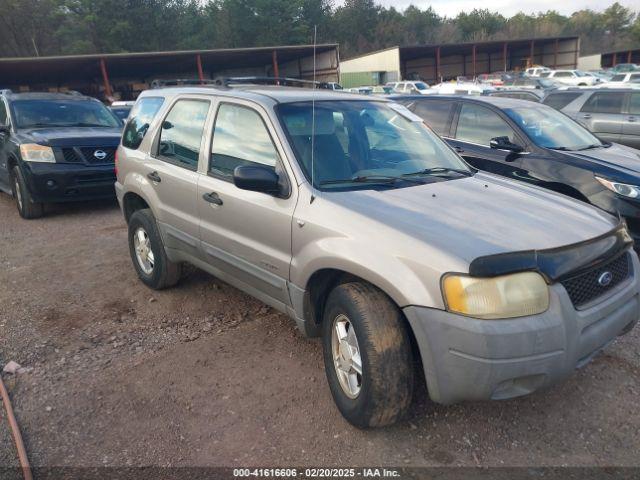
x: 433, y: 63
x: 103, y: 75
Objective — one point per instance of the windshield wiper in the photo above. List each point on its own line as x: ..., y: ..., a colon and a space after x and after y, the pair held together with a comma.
x: 589, y: 147
x: 439, y: 170
x: 383, y: 179
x: 83, y: 124
x: 44, y: 125
x: 562, y: 149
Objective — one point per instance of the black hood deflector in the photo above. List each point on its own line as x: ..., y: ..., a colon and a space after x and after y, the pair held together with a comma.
x: 556, y: 263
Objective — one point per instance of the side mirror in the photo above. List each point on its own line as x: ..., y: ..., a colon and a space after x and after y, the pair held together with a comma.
x: 503, y: 143
x: 257, y: 179
x: 167, y: 125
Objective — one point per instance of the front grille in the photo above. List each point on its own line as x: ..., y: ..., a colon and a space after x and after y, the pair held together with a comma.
x: 89, y: 154
x: 585, y: 287
x: 70, y: 155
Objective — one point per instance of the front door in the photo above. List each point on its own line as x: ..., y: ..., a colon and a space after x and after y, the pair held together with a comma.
x: 243, y: 233
x: 172, y: 170
x: 5, y: 184
x: 476, y: 126
x: 602, y: 115
x: 631, y: 122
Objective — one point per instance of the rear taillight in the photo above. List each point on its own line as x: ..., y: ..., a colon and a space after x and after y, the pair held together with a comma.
x: 115, y: 163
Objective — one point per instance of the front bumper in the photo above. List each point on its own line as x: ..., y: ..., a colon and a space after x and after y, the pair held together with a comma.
x: 59, y: 182
x: 627, y: 208
x: 470, y: 359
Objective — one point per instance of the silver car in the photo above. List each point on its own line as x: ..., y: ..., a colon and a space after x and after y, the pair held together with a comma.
x: 611, y: 114
x: 352, y: 217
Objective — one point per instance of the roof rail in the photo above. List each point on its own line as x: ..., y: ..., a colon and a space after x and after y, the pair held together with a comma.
x: 254, y: 80
x: 176, y: 82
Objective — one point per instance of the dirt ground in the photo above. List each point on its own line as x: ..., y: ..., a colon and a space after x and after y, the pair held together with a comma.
x: 202, y: 374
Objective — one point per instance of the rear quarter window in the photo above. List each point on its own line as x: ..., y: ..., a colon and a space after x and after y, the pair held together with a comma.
x: 435, y: 113
x: 142, y: 114
x: 560, y: 100
x: 604, y: 102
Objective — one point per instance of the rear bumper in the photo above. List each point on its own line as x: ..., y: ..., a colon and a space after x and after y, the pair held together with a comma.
x: 471, y: 359
x: 58, y: 182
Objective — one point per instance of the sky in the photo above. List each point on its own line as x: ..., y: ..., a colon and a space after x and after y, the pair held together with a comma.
x: 451, y: 8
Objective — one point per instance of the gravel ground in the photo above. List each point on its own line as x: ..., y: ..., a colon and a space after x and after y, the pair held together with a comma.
x: 202, y: 374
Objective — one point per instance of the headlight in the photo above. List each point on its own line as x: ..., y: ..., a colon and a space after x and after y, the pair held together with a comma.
x: 623, y: 189
x: 32, y: 152
x: 507, y: 296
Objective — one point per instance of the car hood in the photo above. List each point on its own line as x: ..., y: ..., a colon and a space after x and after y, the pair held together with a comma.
x: 615, y: 157
x: 71, y: 136
x: 477, y: 216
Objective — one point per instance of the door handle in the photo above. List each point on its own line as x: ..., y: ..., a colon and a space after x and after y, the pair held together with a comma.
x: 458, y: 149
x: 212, y: 198
x: 154, y: 177
x: 586, y: 115
x: 632, y: 119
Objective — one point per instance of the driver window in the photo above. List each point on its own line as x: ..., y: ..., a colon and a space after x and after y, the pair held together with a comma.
x: 477, y: 124
x: 240, y: 137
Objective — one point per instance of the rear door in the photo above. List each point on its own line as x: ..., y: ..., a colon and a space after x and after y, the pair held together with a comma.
x: 602, y: 115
x: 474, y: 128
x: 172, y: 170
x: 631, y: 126
x: 243, y: 233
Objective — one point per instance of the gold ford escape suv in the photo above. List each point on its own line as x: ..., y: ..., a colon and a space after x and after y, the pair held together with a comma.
x: 352, y: 217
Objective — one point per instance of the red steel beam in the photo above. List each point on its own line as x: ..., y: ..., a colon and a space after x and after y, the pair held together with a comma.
x: 437, y: 64
x: 200, y: 72
x: 629, y: 57
x: 274, y: 59
x: 473, y: 56
x: 504, y: 55
x: 532, y: 52
x: 105, y: 78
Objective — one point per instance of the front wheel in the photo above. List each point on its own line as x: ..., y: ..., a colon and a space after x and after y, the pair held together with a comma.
x: 367, y: 355
x: 148, y: 254
x: 27, y: 207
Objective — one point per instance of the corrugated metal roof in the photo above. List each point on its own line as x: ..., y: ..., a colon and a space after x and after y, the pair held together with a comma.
x: 415, y: 51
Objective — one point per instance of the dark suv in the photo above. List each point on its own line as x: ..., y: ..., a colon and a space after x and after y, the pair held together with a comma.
x: 535, y: 143
x: 56, y: 147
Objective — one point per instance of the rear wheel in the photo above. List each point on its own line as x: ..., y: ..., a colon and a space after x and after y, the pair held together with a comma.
x: 27, y: 207
x: 148, y: 254
x: 367, y: 355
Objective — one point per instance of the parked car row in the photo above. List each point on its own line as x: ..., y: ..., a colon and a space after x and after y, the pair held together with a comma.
x: 458, y: 246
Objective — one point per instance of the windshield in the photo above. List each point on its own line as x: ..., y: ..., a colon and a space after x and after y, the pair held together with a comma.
x: 62, y: 113
x: 121, y: 112
x: 549, y: 128
x: 421, y: 86
x: 364, y: 144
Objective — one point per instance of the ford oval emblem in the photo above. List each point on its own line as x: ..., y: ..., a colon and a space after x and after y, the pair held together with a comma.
x: 100, y: 154
x: 605, y: 279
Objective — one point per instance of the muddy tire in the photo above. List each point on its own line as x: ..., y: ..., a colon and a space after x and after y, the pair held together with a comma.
x: 147, y: 252
x: 27, y: 207
x: 363, y: 330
